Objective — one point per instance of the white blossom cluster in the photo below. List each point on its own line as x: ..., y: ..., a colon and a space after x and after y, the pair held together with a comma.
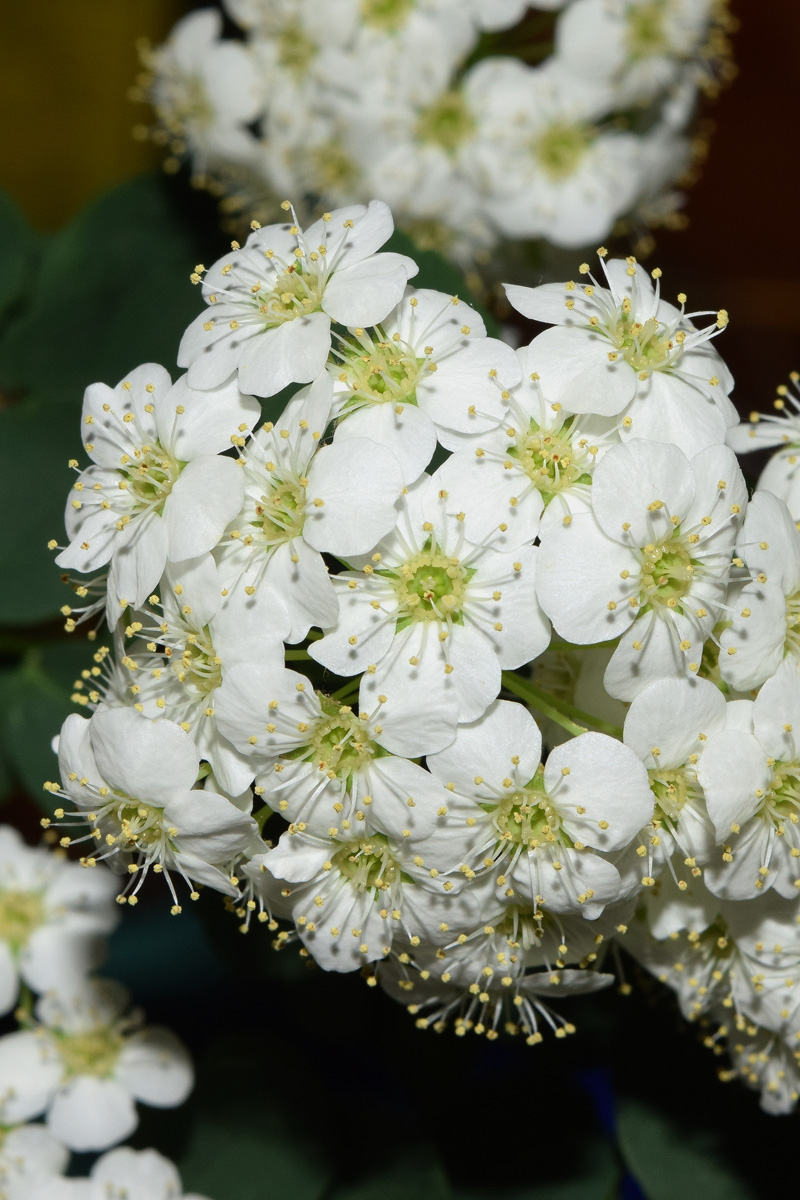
x: 80, y: 1058
x: 463, y: 663
x: 580, y: 117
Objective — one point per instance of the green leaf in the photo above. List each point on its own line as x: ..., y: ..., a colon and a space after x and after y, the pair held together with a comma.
x: 417, y: 1173
x: 436, y: 272
x: 34, y: 701
x: 19, y: 251
x: 35, y: 443
x: 113, y: 292
x: 670, y: 1158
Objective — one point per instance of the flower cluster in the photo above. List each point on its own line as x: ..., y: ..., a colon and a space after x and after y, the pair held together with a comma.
x: 464, y: 664
x: 553, y: 131
x: 79, y: 1057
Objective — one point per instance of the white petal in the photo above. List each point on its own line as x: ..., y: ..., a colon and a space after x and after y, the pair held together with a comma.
x: 209, y: 421
x: 299, y: 576
x: 155, y: 1068
x: 294, y: 352
x: 575, y: 370
x: 605, y: 778
x: 365, y: 292
x: 407, y: 725
x: 486, y: 748
x: 92, y: 1114
x: 776, y: 713
x: 732, y: 769
x: 408, y: 434
x: 772, y: 543
x: 546, y: 303
x: 464, y: 381
x: 752, y: 648
x: 358, y: 482
x: 139, y: 558
x: 677, y: 716
x: 205, y: 499
x: 147, y: 760
x: 9, y: 980
x: 208, y: 826
x: 30, y: 1071
x: 632, y: 478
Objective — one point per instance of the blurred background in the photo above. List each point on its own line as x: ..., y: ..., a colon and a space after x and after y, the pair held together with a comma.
x: 334, y: 1094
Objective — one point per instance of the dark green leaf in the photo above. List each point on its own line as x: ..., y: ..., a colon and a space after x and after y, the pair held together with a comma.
x: 34, y: 701
x: 36, y: 441
x: 671, y: 1159
x: 113, y: 292
x: 19, y: 249
x: 418, y: 1173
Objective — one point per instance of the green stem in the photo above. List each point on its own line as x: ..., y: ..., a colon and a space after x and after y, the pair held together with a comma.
x: 296, y: 655
x: 349, y: 689
x: 561, y: 711
x: 262, y: 816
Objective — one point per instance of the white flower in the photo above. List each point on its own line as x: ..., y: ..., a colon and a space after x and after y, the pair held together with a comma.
x: 323, y: 766
x: 84, y: 1064
x: 133, y: 781
x: 750, y: 774
x: 205, y: 91
x: 742, y: 956
x: 535, y: 459
x: 31, y: 1160
x: 160, y: 491
x: 436, y: 608
x: 548, y: 168
x: 426, y: 365
x: 622, y: 348
x: 302, y: 500
x: 53, y: 918
x: 274, y: 299
x: 537, y: 825
x: 765, y: 615
x: 650, y: 562
x: 125, y: 1174
x: 767, y: 1064
x: 352, y: 896
x: 765, y: 431
x: 667, y: 726
x: 639, y: 46
x: 203, y: 630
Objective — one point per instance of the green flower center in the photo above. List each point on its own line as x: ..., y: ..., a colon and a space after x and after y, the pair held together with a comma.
x: 561, y: 149
x: 20, y: 914
x: 388, y: 15
x: 380, y: 372
x: 527, y: 816
x: 430, y: 587
x: 280, y: 514
x: 667, y: 573
x: 296, y: 51
x: 92, y: 1053
x: 671, y: 790
x: 182, y: 103
x: 199, y: 667
x: 367, y: 864
x: 643, y: 344
x: 792, y: 643
x: 340, y: 743
x: 781, y: 802
x: 647, y: 33
x: 292, y: 294
x: 140, y: 824
x: 447, y: 123
x: 151, y: 476
x: 551, y: 460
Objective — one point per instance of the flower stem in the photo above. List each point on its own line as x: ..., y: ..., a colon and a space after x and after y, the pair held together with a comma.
x: 296, y: 655
x: 573, y: 719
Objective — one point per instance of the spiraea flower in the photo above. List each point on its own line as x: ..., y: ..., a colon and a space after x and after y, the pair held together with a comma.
x: 750, y: 773
x: 537, y: 826
x: 300, y: 502
x: 428, y: 365
x: 128, y: 1174
x: 767, y: 1064
x: 440, y: 606
x: 53, y: 918
x: 132, y: 781
x: 650, y: 562
x: 161, y: 489
x: 271, y: 302
x: 31, y: 1161
x: 621, y: 349
x: 84, y: 1064
x: 764, y: 618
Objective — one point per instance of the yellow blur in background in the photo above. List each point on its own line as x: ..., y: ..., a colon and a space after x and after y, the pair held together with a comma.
x: 66, y: 67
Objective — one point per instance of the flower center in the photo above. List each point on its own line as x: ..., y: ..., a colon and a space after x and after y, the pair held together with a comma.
x: 550, y: 459
x: 280, y: 514
x: 781, y: 802
x: 643, y: 344
x: 667, y: 573
x: 20, y: 914
x: 340, y: 743
x: 367, y: 864
x: 332, y: 169
x: 527, y: 816
x: 296, y: 51
x: 388, y: 15
x: 199, y: 668
x: 92, y: 1053
x: 792, y: 643
x: 430, y: 587
x: 140, y: 824
x: 671, y: 789
x: 292, y: 294
x: 151, y: 477
x: 561, y: 149
x: 447, y: 122
x: 182, y: 102
x: 647, y: 34
x: 380, y: 372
